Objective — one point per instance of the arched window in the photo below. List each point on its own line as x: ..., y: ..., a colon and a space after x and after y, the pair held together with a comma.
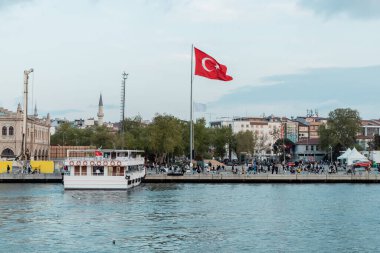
x: 4, y: 131
x: 11, y: 130
x: 7, y: 153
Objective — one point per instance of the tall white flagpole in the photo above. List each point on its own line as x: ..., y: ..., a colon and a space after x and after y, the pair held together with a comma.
x: 191, y: 108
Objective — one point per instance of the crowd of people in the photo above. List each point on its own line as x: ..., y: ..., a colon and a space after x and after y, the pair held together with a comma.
x: 259, y: 167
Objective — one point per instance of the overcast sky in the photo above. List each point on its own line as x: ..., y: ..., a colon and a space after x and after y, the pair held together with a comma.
x: 286, y: 56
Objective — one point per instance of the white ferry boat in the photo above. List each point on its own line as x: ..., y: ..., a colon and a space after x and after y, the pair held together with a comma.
x: 103, y: 170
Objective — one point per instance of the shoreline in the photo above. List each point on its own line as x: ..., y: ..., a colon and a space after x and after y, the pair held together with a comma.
x: 364, y: 178
x: 262, y: 178
x: 31, y: 178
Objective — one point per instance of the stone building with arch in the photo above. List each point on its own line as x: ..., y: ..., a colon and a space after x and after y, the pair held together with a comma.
x: 37, y: 135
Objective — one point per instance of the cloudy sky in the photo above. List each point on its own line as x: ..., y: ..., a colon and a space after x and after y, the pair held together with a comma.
x: 286, y: 56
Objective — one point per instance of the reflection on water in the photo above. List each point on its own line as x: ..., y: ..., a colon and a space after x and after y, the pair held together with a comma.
x: 191, y: 218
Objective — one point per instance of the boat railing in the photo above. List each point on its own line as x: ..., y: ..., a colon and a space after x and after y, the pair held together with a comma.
x: 101, y: 159
x: 96, y: 174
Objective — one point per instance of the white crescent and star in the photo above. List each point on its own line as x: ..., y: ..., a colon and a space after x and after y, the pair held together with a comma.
x: 204, y: 64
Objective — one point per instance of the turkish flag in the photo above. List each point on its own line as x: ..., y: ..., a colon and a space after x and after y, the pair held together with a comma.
x: 208, y: 67
x: 98, y: 153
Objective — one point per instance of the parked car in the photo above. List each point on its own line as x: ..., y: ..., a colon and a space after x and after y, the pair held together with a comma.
x: 363, y: 164
x: 235, y: 161
x: 164, y: 169
x: 175, y: 170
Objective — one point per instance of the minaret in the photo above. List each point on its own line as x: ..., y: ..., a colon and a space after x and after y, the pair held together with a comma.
x: 100, y: 111
x: 19, y: 110
x: 35, y: 111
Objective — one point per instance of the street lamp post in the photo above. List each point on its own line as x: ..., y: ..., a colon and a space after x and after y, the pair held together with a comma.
x: 330, y: 153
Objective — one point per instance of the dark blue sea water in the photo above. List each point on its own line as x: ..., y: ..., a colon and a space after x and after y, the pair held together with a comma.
x: 191, y: 218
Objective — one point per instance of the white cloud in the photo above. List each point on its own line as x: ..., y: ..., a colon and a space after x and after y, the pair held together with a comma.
x: 80, y: 48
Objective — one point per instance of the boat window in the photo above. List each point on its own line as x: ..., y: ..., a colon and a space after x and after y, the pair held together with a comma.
x: 77, y: 170
x: 113, y: 155
x: 119, y: 171
x: 129, y: 181
x: 133, y: 167
x: 98, y: 170
x: 84, y: 170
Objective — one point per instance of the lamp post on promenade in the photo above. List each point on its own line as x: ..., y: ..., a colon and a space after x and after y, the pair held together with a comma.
x: 330, y: 153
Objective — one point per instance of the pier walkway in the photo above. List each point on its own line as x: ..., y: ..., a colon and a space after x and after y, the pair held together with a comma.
x: 213, y: 178
x: 262, y: 178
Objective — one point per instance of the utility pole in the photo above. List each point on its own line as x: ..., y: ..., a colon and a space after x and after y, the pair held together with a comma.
x: 25, y: 116
x: 283, y: 139
x: 122, y: 107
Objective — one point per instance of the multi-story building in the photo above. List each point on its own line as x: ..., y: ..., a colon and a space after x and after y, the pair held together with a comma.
x: 309, y: 126
x: 308, y: 150
x: 37, y: 135
x: 266, y: 129
x: 368, y: 129
x: 308, y: 146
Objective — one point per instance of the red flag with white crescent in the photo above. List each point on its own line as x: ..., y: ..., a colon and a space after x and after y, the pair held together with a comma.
x: 208, y: 67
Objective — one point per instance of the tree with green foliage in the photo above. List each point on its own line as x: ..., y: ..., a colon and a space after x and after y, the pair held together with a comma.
x: 201, y: 139
x: 341, y: 130
x: 262, y: 146
x: 220, y: 139
x: 66, y: 135
x: 164, y: 136
x: 281, y: 146
x: 102, y: 137
x: 374, y: 144
x: 134, y: 135
x: 245, y: 142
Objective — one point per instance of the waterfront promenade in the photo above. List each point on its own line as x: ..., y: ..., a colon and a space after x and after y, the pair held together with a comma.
x: 263, y: 178
x: 214, y: 178
x: 30, y: 178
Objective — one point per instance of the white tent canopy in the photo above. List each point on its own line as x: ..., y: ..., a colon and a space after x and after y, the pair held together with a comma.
x: 355, y: 155
x: 345, y: 154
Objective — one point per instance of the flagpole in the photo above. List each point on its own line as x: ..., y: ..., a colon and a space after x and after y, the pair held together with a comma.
x: 191, y: 108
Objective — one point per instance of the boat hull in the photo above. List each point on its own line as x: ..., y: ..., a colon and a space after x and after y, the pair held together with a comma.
x: 103, y: 182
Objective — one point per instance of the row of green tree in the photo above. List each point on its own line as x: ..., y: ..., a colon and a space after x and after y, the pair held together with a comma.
x: 167, y: 137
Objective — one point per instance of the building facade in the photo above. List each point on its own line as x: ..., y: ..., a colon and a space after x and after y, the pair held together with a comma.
x: 368, y: 129
x: 309, y: 150
x: 266, y: 129
x: 37, y: 135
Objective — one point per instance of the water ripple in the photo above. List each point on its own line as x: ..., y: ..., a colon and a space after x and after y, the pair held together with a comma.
x: 191, y: 218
